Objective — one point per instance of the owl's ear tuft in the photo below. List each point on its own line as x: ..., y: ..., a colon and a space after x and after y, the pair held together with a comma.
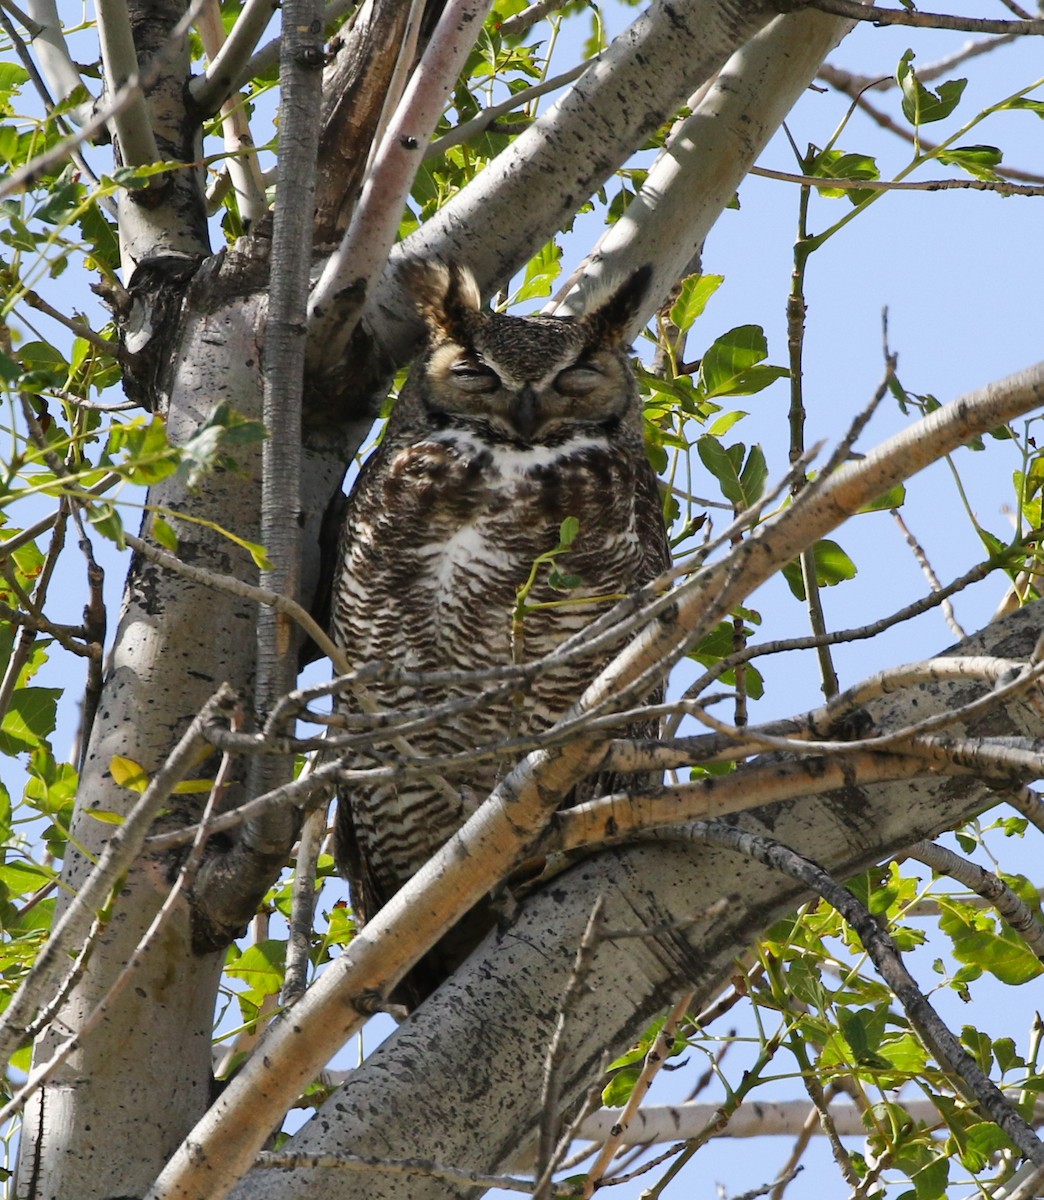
x: 609, y: 318
x: 446, y: 296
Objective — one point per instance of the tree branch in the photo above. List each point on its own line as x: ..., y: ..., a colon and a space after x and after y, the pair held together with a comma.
x: 886, y: 958
x: 363, y: 251
x: 855, y: 11
x: 224, y: 74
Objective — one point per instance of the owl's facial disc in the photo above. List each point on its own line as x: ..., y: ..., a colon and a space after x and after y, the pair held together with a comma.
x: 530, y: 397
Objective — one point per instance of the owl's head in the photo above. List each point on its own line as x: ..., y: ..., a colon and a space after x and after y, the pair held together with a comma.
x: 531, y: 380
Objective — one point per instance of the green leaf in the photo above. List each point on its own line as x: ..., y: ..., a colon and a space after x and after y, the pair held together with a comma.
x: 261, y: 968
x: 567, y: 532
x: 978, y: 943
x: 23, y: 878
x: 1008, y: 1058
x: 164, y: 534
x: 979, y: 1045
x: 740, y: 475
x: 980, y: 1143
x: 895, y: 497
x: 193, y: 787
x: 106, y: 520
x: 721, y: 425
x: 833, y: 566
x: 618, y: 1090
x: 921, y: 106
x: 541, y: 272
x: 978, y: 161
x: 695, y: 291
x: 29, y: 720
x: 729, y: 367
x: 106, y: 817
x: 256, y: 551
x: 754, y: 474
x: 836, y: 164
x: 12, y: 77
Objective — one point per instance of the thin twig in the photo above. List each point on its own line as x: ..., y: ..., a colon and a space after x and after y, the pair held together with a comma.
x: 45, y: 1071
x: 237, y: 587
x: 521, y: 23
x: 76, y: 324
x: 950, y: 1054
x: 661, y: 1049
x: 1001, y: 186
x: 488, y: 116
x: 302, y: 913
x: 550, y: 1123
x: 120, y: 851
x: 125, y: 98
x: 856, y: 87
x: 852, y: 10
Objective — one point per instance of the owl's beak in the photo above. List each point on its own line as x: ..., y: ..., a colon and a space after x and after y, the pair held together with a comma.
x: 524, y: 412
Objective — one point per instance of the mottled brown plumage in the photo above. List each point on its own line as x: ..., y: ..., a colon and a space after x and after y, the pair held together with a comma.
x: 507, y: 426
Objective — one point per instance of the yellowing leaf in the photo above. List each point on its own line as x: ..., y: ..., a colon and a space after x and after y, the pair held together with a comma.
x: 106, y: 817
x: 127, y: 773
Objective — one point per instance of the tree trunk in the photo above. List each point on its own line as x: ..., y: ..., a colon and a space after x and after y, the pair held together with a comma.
x: 143, y: 1077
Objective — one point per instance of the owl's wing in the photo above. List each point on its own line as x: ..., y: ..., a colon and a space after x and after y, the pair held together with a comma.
x: 652, y: 532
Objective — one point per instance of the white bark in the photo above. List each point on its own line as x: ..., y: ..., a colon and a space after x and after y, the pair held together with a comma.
x: 534, y: 187
x: 708, y: 156
x: 140, y: 1082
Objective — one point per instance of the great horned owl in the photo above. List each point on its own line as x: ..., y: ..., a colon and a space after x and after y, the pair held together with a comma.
x: 506, y: 427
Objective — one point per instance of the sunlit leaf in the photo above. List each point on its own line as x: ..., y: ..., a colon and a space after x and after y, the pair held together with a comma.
x: 695, y: 291
x: 127, y: 773
x: 921, y: 106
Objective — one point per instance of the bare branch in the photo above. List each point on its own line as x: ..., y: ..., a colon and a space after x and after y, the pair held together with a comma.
x: 670, y: 216
x: 855, y: 11
x: 283, y: 356
x: 627, y: 814
x: 299, y: 942
x: 244, y: 173
x: 551, y: 1144
x: 52, y: 51
x: 131, y: 123
x: 521, y: 23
